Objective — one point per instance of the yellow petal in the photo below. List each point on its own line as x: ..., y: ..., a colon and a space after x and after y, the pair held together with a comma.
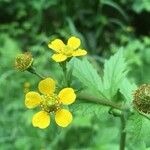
x: 74, y: 42
x: 47, y: 86
x: 32, y: 99
x: 79, y: 52
x: 63, y: 117
x: 67, y: 96
x: 41, y: 120
x: 59, y: 57
x: 56, y: 45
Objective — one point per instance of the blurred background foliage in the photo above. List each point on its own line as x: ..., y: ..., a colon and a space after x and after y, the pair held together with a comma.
x: 103, y: 26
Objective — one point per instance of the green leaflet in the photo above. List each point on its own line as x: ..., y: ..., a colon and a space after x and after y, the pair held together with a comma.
x: 89, y: 109
x: 114, y: 73
x: 127, y: 89
x: 86, y: 73
x: 134, y: 126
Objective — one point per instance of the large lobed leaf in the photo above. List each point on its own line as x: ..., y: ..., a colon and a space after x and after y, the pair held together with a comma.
x: 114, y: 73
x: 86, y: 73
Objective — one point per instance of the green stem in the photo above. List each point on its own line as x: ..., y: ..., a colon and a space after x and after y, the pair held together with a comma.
x: 112, y: 106
x: 33, y: 71
x: 123, y: 132
x: 114, y: 112
x: 64, y: 68
x: 144, y: 115
x: 101, y: 101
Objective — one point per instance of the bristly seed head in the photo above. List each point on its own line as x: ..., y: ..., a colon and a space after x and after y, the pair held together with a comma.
x: 142, y: 98
x: 23, y: 61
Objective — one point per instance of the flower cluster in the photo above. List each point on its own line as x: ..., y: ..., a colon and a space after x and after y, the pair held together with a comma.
x: 48, y: 99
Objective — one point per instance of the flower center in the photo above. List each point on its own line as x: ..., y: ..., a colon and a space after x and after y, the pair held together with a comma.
x: 50, y: 103
x: 67, y: 51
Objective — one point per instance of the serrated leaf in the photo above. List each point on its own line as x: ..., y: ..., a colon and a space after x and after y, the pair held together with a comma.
x: 127, y: 89
x: 87, y: 74
x: 114, y: 73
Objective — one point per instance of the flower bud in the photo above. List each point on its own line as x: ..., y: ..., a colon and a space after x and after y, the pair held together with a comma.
x: 142, y: 98
x: 23, y: 61
x: 26, y: 87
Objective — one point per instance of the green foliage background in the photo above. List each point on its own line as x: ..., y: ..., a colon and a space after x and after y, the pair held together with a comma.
x: 104, y: 26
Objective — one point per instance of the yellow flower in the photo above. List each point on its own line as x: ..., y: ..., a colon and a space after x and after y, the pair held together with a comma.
x: 64, y: 51
x: 50, y: 102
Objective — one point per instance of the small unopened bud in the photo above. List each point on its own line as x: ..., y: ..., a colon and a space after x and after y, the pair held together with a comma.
x: 142, y: 98
x: 26, y: 87
x: 23, y: 61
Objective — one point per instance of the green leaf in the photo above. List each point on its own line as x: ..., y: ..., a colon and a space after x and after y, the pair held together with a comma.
x: 127, y: 89
x: 82, y: 108
x: 145, y: 131
x: 114, y: 73
x: 134, y: 126
x: 141, y: 6
x: 88, y: 76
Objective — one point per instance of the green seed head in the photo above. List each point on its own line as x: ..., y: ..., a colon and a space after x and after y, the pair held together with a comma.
x: 142, y: 98
x: 23, y: 61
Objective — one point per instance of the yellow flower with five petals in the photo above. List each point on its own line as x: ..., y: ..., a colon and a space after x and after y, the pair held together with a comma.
x: 50, y: 102
x: 64, y: 51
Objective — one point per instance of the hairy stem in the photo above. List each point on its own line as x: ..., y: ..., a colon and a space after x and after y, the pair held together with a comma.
x: 66, y: 79
x: 39, y: 75
x: 144, y: 115
x: 112, y: 106
x: 33, y: 71
x: 101, y: 101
